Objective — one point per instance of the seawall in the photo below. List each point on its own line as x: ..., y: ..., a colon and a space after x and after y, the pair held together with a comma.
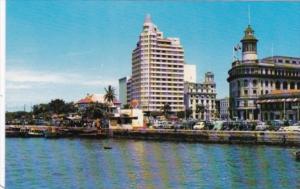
x: 202, y: 136
x: 229, y: 137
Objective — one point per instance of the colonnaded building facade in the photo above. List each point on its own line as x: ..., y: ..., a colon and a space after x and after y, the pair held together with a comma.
x: 201, y: 98
x: 250, y: 78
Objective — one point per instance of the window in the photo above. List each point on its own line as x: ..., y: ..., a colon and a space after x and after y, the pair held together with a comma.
x: 266, y: 83
x: 245, y: 92
x: 254, y: 83
x: 245, y: 83
x: 254, y: 92
x: 285, y: 85
x: 292, y: 85
x: 277, y: 85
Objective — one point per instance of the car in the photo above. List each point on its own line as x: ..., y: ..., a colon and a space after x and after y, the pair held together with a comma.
x: 218, y: 125
x: 262, y: 126
x: 290, y: 129
x: 296, y: 124
x: 199, y: 125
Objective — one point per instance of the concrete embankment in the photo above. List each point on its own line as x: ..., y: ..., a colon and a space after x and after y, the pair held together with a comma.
x: 229, y: 137
x: 226, y: 137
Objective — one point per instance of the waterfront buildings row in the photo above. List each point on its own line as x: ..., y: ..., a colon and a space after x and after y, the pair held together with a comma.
x: 161, y: 76
x: 251, y: 79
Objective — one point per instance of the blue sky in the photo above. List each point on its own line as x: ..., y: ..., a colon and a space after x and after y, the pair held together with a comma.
x: 66, y: 49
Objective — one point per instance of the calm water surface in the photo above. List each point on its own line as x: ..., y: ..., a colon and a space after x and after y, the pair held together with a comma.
x: 37, y: 163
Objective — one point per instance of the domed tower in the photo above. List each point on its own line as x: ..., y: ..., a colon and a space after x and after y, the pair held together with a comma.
x: 249, y: 45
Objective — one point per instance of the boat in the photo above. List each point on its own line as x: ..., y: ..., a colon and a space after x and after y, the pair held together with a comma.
x: 107, y: 147
x: 36, y: 132
x: 52, y: 132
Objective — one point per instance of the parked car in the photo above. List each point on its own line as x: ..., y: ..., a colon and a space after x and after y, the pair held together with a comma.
x: 199, y: 125
x: 290, y: 129
x: 218, y: 125
x: 261, y: 126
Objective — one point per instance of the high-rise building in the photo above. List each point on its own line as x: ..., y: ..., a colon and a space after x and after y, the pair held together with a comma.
x: 250, y: 78
x: 123, y: 82
x: 157, y: 70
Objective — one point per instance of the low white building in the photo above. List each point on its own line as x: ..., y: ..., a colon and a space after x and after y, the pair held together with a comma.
x: 127, y: 119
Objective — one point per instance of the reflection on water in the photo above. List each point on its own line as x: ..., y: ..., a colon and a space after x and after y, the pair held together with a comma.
x: 82, y: 163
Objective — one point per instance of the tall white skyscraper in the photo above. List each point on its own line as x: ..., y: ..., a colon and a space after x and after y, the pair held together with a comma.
x: 157, y: 70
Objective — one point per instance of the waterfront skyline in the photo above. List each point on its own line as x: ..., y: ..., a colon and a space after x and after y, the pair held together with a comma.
x: 65, y: 50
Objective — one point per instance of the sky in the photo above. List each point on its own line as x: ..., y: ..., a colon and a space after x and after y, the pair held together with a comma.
x: 66, y: 49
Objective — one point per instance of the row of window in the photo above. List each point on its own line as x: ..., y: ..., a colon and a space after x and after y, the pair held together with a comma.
x: 202, y: 101
x: 162, y: 98
x: 287, y: 61
x: 266, y: 71
x: 278, y: 84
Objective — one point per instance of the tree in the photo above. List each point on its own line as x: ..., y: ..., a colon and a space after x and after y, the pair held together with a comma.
x: 110, y: 94
x: 188, y: 112
x: 57, y: 106
x: 126, y: 106
x: 185, y: 114
x: 166, y: 109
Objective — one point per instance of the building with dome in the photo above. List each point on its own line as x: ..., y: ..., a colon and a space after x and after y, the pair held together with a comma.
x: 251, y: 78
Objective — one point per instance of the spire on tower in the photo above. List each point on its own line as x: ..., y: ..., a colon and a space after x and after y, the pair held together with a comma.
x: 148, y: 19
x: 249, y: 16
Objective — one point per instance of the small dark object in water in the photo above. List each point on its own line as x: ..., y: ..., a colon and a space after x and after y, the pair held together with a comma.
x: 297, y: 156
x: 107, y: 147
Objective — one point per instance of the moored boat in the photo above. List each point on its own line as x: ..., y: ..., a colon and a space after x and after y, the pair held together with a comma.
x: 52, y: 132
x: 36, y: 132
x: 16, y: 131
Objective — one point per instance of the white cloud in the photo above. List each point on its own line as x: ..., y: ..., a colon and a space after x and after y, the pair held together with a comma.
x: 17, y: 86
x: 20, y: 79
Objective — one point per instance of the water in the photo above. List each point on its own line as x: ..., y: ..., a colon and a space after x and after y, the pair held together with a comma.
x: 37, y: 163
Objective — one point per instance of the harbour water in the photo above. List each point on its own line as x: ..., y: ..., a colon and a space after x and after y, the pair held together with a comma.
x: 36, y: 163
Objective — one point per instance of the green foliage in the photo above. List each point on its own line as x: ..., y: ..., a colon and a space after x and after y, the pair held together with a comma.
x: 166, y: 109
x: 126, y: 106
x: 94, y: 111
x: 110, y: 94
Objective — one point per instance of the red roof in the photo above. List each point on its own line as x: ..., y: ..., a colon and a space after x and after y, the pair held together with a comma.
x: 85, y: 100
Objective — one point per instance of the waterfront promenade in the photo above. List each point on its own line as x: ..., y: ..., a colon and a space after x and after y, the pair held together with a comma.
x: 202, y: 136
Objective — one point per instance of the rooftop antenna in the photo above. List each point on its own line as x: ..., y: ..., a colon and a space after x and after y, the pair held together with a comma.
x: 272, y: 51
x: 249, y: 15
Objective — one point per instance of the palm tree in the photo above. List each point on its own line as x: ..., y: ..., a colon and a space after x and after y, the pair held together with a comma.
x: 166, y: 109
x: 110, y: 94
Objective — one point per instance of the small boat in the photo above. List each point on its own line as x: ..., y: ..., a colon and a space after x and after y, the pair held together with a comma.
x: 107, y: 147
x: 36, y: 132
x: 52, y: 132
